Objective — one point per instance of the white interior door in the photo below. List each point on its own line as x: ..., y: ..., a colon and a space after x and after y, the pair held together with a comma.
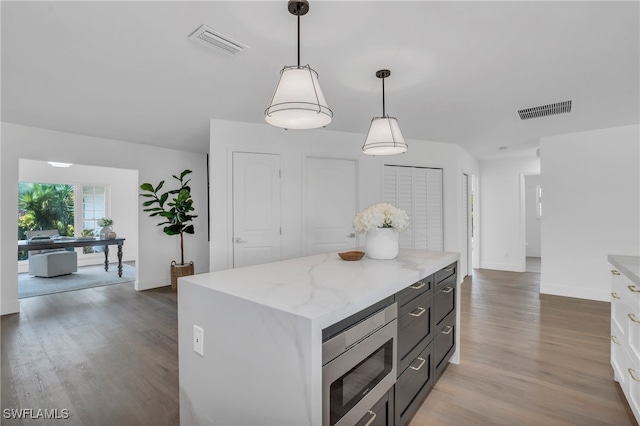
x: 256, y: 208
x: 330, y: 205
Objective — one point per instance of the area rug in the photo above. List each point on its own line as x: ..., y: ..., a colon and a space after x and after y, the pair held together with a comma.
x: 86, y: 277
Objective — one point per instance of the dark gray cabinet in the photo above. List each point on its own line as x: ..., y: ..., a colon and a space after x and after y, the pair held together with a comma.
x: 415, y: 326
x: 381, y: 414
x: 426, y: 338
x: 444, y: 302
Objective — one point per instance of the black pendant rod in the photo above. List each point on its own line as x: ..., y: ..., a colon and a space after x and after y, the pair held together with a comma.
x: 298, y: 8
x: 383, y: 112
x: 383, y: 74
x: 298, y: 41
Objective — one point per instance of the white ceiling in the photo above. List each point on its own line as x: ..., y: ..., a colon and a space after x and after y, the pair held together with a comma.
x: 459, y: 70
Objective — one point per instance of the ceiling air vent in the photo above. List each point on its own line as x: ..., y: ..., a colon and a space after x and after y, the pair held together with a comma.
x: 208, y: 37
x: 545, y: 110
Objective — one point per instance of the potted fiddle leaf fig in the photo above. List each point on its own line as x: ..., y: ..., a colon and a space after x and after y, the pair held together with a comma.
x: 175, y: 207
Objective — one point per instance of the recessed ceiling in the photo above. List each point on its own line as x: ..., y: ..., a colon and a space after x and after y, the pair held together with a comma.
x: 128, y: 71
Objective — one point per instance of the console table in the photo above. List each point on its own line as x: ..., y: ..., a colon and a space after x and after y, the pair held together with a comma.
x: 25, y: 245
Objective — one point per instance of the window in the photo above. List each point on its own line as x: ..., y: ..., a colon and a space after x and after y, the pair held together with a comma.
x: 72, y: 210
x: 538, y: 202
x: 93, y: 206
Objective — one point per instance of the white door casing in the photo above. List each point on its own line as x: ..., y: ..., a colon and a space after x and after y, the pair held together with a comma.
x: 330, y: 204
x: 256, y: 209
x: 465, y: 258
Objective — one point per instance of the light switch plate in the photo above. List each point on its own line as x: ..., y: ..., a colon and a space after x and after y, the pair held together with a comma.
x: 198, y: 340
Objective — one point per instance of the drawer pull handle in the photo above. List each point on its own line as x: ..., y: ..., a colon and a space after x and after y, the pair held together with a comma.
x: 422, y: 361
x: 449, y: 330
x: 449, y: 270
x: 614, y: 339
x: 631, y: 370
x: 422, y: 311
x: 633, y: 288
x: 615, y: 295
x: 632, y: 317
x: 614, y: 272
x: 418, y: 287
x: 447, y: 290
x: 373, y: 417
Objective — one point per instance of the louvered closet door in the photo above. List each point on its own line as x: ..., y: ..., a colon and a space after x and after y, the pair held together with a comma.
x: 435, y: 215
x: 418, y: 191
x: 398, y: 184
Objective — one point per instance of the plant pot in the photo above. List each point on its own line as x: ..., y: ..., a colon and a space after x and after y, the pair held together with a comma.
x: 178, y: 271
x: 382, y: 243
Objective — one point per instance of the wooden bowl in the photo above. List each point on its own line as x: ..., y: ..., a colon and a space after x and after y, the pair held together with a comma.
x: 351, y: 255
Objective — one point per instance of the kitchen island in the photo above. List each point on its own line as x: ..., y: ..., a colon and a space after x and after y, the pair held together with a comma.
x: 261, y: 337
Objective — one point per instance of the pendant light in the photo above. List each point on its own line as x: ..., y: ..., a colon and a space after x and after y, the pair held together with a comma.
x: 298, y: 101
x: 384, y: 137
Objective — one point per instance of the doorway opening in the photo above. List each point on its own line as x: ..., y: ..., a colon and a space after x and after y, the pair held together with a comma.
x: 68, y: 204
x: 533, y: 221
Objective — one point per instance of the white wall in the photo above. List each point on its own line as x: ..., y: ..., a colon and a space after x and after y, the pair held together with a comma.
x: 155, y: 251
x: 591, y: 208
x: 293, y: 146
x: 533, y: 227
x: 502, y: 239
x: 123, y: 193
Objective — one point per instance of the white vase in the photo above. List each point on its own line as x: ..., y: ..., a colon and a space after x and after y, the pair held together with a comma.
x: 382, y: 243
x: 104, y: 232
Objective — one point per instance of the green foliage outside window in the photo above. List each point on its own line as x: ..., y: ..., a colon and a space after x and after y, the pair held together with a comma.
x: 45, y: 206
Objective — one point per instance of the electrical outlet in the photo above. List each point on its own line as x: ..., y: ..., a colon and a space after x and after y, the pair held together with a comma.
x: 198, y: 340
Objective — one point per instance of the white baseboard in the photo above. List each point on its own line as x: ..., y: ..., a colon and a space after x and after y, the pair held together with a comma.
x: 575, y: 292
x: 512, y: 267
x: 154, y: 283
x: 12, y: 307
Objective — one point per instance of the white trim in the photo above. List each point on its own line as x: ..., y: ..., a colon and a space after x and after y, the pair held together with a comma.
x: 602, y: 295
x: 512, y: 267
x: 12, y: 307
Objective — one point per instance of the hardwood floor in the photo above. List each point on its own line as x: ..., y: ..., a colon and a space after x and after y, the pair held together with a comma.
x: 527, y: 359
x: 109, y: 355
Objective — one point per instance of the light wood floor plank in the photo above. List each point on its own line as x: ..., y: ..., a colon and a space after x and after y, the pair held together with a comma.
x: 527, y: 359
x: 110, y: 356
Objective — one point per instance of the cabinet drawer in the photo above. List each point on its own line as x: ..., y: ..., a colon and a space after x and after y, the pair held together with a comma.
x: 444, y: 301
x: 619, y: 358
x: 413, y: 386
x: 633, y: 332
x: 414, y: 290
x: 633, y: 384
x: 444, y: 343
x: 619, y: 313
x: 632, y: 293
x: 446, y: 272
x: 414, y: 328
x: 381, y: 414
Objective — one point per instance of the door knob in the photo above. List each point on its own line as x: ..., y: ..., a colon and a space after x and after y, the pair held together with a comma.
x: 239, y: 240
x: 351, y: 235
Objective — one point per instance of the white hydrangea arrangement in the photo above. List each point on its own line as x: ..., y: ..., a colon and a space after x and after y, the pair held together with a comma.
x: 381, y: 215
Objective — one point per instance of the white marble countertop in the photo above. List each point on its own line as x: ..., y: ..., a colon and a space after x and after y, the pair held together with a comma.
x: 629, y: 266
x: 261, y: 335
x: 324, y: 288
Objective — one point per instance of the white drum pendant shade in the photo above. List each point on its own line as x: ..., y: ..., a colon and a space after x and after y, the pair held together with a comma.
x: 384, y: 137
x: 298, y: 101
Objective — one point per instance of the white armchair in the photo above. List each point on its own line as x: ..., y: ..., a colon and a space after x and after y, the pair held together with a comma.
x: 51, y: 263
